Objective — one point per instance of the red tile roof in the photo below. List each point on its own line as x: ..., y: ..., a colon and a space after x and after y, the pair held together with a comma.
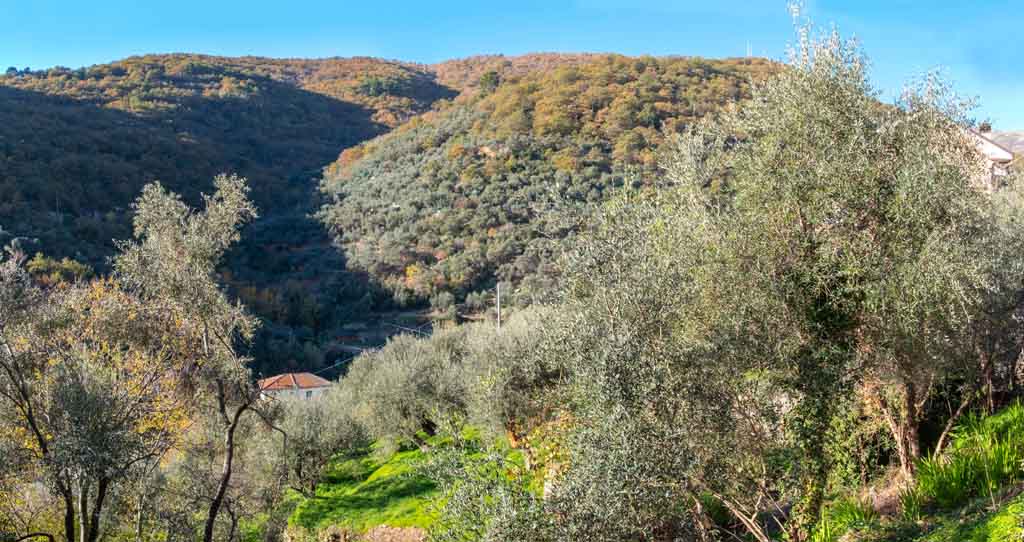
x: 290, y: 381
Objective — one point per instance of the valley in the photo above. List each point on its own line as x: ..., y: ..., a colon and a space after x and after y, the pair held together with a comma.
x: 485, y: 160
x: 543, y: 297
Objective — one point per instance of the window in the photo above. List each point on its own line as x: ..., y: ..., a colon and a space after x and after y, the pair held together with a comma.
x: 309, y: 394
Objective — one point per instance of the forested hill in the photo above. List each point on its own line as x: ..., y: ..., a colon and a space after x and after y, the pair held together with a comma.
x: 443, y: 203
x: 77, y: 145
x: 453, y: 200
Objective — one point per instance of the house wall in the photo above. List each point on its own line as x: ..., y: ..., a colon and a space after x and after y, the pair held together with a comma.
x: 313, y: 393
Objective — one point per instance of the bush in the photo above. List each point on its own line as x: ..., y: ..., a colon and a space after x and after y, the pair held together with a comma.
x: 477, y: 301
x: 842, y: 516
x: 509, y: 380
x: 493, y: 378
x: 442, y: 301
x: 318, y: 430
x: 409, y: 387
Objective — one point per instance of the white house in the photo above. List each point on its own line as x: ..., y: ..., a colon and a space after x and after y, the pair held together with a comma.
x: 997, y: 157
x: 306, y: 386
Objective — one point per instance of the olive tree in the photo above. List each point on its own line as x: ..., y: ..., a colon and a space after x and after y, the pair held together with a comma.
x: 314, y: 432
x: 666, y: 410
x: 173, y: 261
x: 409, y: 387
x: 808, y: 243
x: 88, y: 379
x: 509, y: 381
x: 873, y: 225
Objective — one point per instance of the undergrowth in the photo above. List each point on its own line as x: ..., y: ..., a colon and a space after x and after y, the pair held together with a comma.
x: 986, y: 454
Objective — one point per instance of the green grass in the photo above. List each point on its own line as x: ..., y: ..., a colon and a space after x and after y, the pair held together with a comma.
x: 971, y: 493
x: 987, y: 454
x: 842, y: 516
x: 1001, y: 525
x: 370, y: 489
x: 365, y: 491
x: 975, y: 522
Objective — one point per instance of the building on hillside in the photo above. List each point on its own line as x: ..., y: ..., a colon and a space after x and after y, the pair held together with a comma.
x: 997, y: 157
x: 305, y: 386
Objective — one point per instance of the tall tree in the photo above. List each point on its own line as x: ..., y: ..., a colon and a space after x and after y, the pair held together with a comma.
x: 173, y: 261
x: 810, y: 242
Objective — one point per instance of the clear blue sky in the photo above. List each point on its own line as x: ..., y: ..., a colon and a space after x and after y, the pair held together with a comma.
x: 978, y: 42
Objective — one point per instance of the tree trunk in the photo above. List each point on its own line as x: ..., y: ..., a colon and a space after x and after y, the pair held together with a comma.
x: 234, y: 525
x: 904, y: 427
x: 911, y: 426
x: 97, y: 509
x: 83, y: 510
x: 138, y: 517
x: 69, y: 514
x: 943, y: 438
x: 222, y: 485
x: 988, y: 381
x: 226, y: 468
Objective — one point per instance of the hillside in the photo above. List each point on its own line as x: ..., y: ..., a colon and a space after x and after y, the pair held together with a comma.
x: 473, y: 156
x: 77, y: 145
x: 466, y: 74
x: 456, y: 198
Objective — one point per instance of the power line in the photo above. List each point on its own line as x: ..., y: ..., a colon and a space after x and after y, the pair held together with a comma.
x: 346, y: 360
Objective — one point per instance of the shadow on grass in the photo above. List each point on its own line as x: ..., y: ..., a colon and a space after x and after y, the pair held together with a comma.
x: 361, y: 493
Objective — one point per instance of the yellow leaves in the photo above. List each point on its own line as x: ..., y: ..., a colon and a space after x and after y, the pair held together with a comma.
x: 413, y: 275
x: 456, y: 151
x: 565, y: 160
x: 26, y: 439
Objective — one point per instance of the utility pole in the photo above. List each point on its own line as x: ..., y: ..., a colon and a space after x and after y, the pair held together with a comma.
x: 499, y: 305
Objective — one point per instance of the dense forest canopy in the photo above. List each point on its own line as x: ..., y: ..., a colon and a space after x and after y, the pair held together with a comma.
x: 453, y: 200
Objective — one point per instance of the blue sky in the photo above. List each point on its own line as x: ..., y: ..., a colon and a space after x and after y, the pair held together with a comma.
x: 978, y: 43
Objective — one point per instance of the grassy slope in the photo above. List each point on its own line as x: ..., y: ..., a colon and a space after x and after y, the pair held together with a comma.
x: 366, y: 491
x: 978, y: 521
x: 980, y: 524
x: 973, y: 493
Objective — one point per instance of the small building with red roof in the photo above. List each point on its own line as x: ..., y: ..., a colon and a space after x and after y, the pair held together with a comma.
x: 306, y: 386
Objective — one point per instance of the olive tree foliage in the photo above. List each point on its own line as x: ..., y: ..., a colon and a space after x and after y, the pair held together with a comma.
x: 173, y: 260
x: 486, y: 498
x: 89, y: 387
x: 807, y: 244
x: 314, y: 432
x: 668, y: 410
x: 510, y: 383
x: 874, y: 226
x: 492, y: 378
x: 872, y: 229
x: 402, y: 391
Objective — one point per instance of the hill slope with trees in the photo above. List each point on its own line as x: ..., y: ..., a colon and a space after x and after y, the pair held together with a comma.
x: 455, y: 199
x: 77, y: 145
x: 495, y: 143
